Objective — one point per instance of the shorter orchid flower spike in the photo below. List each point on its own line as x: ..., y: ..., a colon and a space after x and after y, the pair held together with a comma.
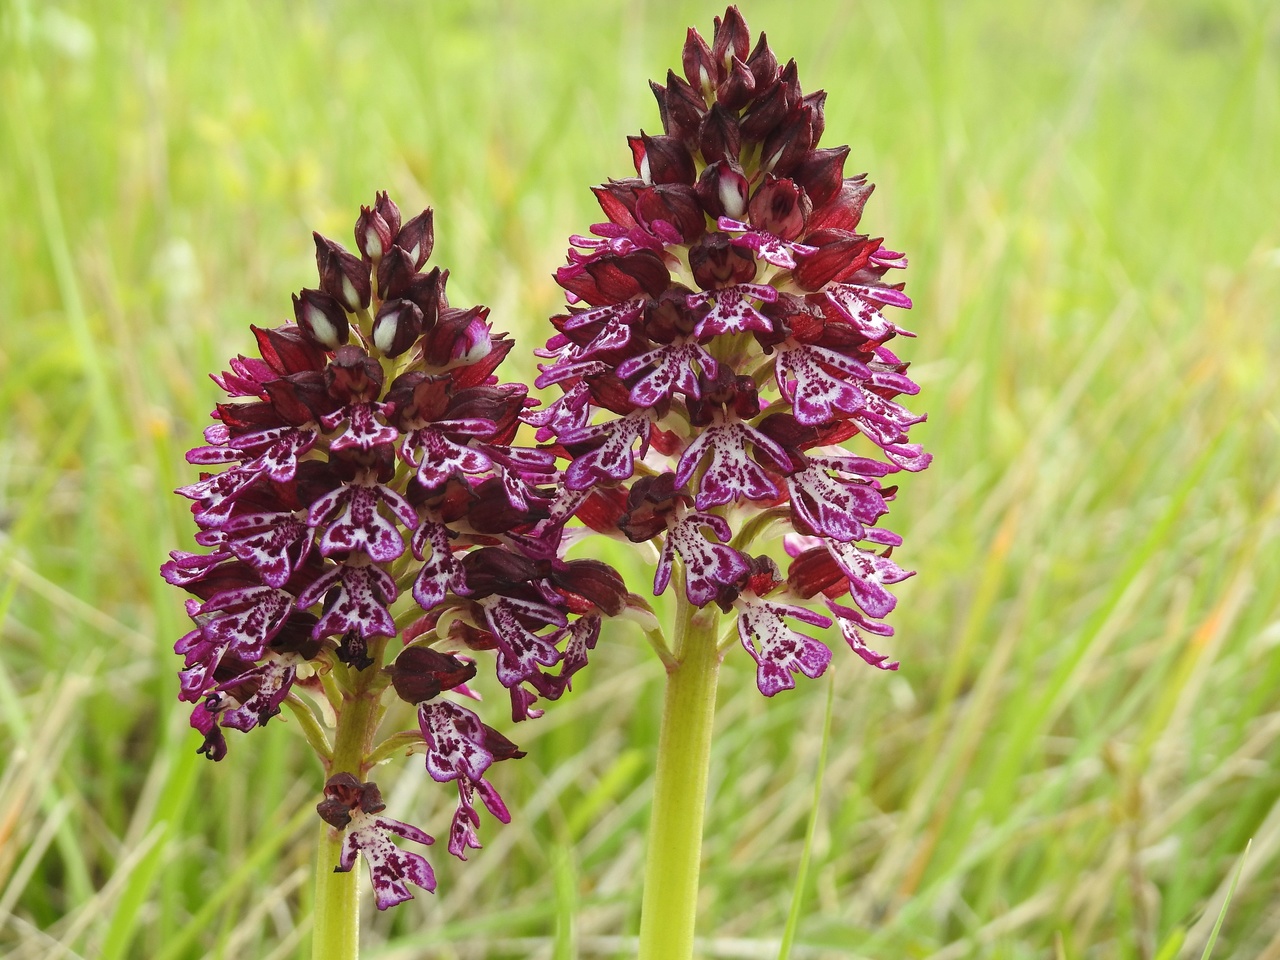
x: 367, y: 510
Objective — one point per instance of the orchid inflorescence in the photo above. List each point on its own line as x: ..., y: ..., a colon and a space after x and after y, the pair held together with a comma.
x: 724, y: 336
x: 372, y: 490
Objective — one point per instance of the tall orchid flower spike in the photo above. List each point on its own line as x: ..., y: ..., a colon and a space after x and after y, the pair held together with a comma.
x: 726, y: 340
x: 369, y: 527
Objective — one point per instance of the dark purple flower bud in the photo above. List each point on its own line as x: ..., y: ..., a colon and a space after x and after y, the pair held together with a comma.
x: 719, y: 137
x: 763, y: 64
x: 344, y: 794
x: 681, y: 107
x: 662, y: 159
x: 418, y: 238
x: 396, y: 271
x: 731, y: 39
x: 813, y: 106
x: 717, y: 263
x: 603, y: 509
x: 397, y: 325
x: 674, y: 204
x: 843, y: 211
x: 790, y: 434
x: 737, y: 88
x: 427, y: 291
x: 459, y: 336
x: 723, y: 190
x: 821, y: 174
x: 373, y: 234
x: 353, y: 650
x: 595, y: 582
x: 353, y: 376
x: 608, y: 391
x: 839, y: 254
x: 342, y: 275
x: 491, y: 570
x: 617, y: 199
x: 699, y: 65
x: 301, y: 398
x: 471, y: 636
x: 421, y: 673
x: 614, y: 279
x: 779, y: 207
x: 787, y: 144
x: 322, y: 318
x: 650, y: 502
x: 815, y: 571
x: 415, y: 398
x: 390, y: 213
x: 771, y: 107
x: 287, y: 350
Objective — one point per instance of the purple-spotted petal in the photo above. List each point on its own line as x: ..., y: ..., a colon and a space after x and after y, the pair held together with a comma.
x: 360, y: 600
x: 571, y: 412
x: 360, y: 526
x: 363, y: 429
x: 462, y: 834
x: 779, y: 651
x: 731, y: 313
x: 673, y: 369
x: 731, y: 473
x: 520, y: 649
x: 183, y: 569
x: 455, y: 740
x: 274, y: 544
x: 279, y: 460
x: 246, y: 619
x: 852, y: 622
x: 816, y: 393
x: 618, y: 320
x: 868, y: 573
x: 441, y: 573
x: 707, y: 566
x: 438, y: 458
x: 766, y: 246
x: 272, y: 681
x: 389, y: 866
x: 613, y: 459
x: 859, y: 306
x: 834, y: 506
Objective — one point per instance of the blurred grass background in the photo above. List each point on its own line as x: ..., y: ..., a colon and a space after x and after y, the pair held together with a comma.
x: 1086, y: 728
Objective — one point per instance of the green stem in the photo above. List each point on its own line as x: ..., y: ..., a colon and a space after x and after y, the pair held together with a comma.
x: 670, y: 902
x: 335, y: 934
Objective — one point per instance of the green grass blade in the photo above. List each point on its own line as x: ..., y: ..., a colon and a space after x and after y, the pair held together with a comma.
x: 1226, y: 902
x: 802, y: 871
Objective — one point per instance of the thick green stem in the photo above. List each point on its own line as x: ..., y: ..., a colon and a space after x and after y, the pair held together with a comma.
x: 335, y: 933
x: 680, y: 789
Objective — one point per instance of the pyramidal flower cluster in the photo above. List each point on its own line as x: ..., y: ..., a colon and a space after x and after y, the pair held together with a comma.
x: 725, y: 335
x: 369, y: 527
